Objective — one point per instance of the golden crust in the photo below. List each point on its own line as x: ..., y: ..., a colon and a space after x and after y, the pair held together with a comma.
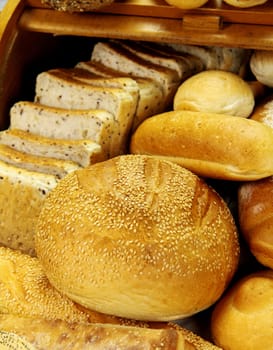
x: 147, y: 239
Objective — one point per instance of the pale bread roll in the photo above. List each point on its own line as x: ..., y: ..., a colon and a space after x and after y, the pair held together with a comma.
x: 187, y: 4
x: 245, y: 3
x: 261, y: 65
x: 243, y: 317
x: 210, y: 145
x: 215, y: 91
x: 255, y: 204
x: 141, y: 244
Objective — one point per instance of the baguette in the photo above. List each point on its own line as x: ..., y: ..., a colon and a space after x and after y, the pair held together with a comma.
x: 116, y: 56
x: 150, y: 92
x: 59, y: 123
x: 56, y: 90
x: 82, y: 152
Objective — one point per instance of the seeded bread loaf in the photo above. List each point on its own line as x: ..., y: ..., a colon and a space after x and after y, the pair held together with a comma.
x: 60, y: 123
x: 82, y: 152
x: 150, y: 92
x: 116, y: 56
x: 57, y: 90
x: 76, y: 6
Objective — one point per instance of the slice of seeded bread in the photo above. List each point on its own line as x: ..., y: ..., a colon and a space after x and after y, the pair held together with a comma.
x: 82, y: 152
x: 57, y: 90
x: 60, y: 123
x: 53, y: 166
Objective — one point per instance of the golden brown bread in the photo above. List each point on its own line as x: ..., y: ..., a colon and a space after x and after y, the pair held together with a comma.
x: 263, y: 111
x: 61, y: 335
x: 242, y: 319
x: 150, y: 232
x: 245, y: 3
x: 187, y: 4
x: 215, y: 91
x: 210, y: 145
x: 255, y: 204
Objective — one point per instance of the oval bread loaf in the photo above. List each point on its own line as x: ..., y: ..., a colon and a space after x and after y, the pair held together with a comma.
x: 210, y: 145
x: 187, y: 4
x: 261, y: 65
x: 245, y: 3
x: 147, y: 239
x: 242, y: 319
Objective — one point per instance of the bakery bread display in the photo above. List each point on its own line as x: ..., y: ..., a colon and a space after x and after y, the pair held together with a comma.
x: 140, y: 232
x: 255, y: 216
x: 207, y: 144
x: 243, y: 318
x: 215, y: 91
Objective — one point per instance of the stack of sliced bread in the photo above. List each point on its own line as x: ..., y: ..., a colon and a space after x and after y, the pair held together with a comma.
x: 83, y: 115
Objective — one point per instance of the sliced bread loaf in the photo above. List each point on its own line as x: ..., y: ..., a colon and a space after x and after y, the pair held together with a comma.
x: 150, y: 92
x: 22, y: 194
x: 60, y: 123
x: 57, y: 90
x: 82, y: 152
x: 114, y: 55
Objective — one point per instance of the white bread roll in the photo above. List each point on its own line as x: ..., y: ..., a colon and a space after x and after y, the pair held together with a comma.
x: 243, y: 317
x: 187, y: 4
x: 215, y: 91
x: 245, y: 3
x: 210, y: 145
x: 139, y: 238
x: 261, y: 65
x: 255, y: 204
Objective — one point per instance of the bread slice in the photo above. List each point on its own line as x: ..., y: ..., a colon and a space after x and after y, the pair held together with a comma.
x: 57, y: 90
x: 82, y: 152
x: 60, y: 123
x: 114, y: 55
x: 22, y: 194
x: 53, y: 166
x: 150, y: 91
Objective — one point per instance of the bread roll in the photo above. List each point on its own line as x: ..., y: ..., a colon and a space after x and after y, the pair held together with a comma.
x: 76, y: 6
x: 210, y: 145
x: 187, y: 4
x: 263, y: 112
x: 245, y: 3
x: 215, y: 91
x: 147, y: 239
x: 243, y: 318
x: 261, y: 65
x: 255, y: 204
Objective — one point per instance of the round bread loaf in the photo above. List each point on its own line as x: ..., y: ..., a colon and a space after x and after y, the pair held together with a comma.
x: 210, y: 145
x: 139, y: 238
x: 245, y: 3
x: 261, y: 65
x: 187, y: 4
x: 215, y: 91
x: 255, y: 205
x: 242, y: 319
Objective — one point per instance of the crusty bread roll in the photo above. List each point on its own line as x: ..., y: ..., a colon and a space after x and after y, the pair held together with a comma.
x: 243, y: 317
x: 187, y: 4
x: 245, y: 3
x: 263, y: 111
x: 261, y: 65
x: 215, y: 91
x: 255, y: 205
x: 210, y: 145
x: 147, y: 239
x: 76, y: 6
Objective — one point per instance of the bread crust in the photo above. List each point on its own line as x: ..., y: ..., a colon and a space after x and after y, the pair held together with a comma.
x: 149, y: 231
